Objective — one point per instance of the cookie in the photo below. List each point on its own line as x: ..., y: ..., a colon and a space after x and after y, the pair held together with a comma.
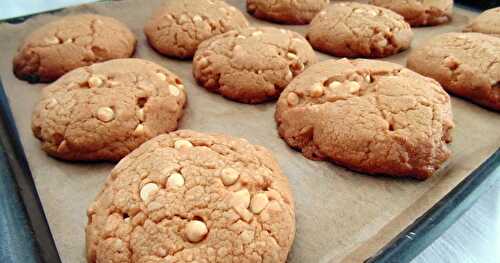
x: 189, y: 196
x: 286, y: 11
x: 420, y: 12
x: 69, y: 43
x: 466, y: 64
x: 370, y: 116
x: 251, y: 65
x: 359, y: 30
x: 106, y: 110
x: 487, y: 22
x: 180, y: 26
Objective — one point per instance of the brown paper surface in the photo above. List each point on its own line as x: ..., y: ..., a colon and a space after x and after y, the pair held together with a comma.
x: 341, y: 215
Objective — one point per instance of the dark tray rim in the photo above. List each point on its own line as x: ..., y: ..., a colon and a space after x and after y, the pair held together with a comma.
x: 37, y: 243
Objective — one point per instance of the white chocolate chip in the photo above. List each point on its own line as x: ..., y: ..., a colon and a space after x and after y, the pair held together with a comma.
x: 182, y: 144
x: 95, y: 81
x: 241, y: 37
x: 174, y: 90
x: 105, y: 114
x: 140, y: 114
x: 232, y: 8
x: 368, y: 78
x: 353, y: 86
x: 69, y: 40
x: 148, y: 190
x: 382, y: 42
x: 257, y: 33
x: 197, y: 18
x: 241, y: 199
x: 291, y: 55
x: 322, y: 13
x: 175, y: 180
x: 258, y: 203
x: 334, y: 85
x: 139, y: 130
x: 203, y: 62
x: 52, y: 40
x: 229, y: 176
x: 292, y: 98
x: 183, y: 19
x: 317, y: 90
x: 51, y: 103
x: 289, y: 75
x: 161, y: 76
x: 283, y: 31
x: 196, y: 230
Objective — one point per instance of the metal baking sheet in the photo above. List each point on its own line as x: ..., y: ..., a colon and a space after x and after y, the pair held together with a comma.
x: 341, y: 215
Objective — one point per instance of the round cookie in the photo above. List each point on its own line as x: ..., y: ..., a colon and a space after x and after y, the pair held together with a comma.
x: 180, y: 26
x: 359, y: 30
x: 106, y: 110
x: 188, y: 195
x: 69, y: 43
x: 251, y: 65
x: 420, y: 12
x: 487, y: 22
x: 286, y: 11
x: 466, y: 64
x: 370, y: 116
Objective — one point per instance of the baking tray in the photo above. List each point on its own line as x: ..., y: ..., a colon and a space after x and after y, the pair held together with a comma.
x: 25, y: 228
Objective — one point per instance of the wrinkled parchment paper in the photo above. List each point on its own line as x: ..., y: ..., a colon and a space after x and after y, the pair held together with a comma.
x: 341, y: 215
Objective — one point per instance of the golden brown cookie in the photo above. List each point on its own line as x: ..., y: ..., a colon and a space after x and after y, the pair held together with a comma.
x: 487, y: 22
x: 359, y: 30
x: 286, y: 11
x: 188, y: 196
x: 69, y: 43
x: 104, y: 111
x: 420, y: 12
x: 466, y: 64
x: 370, y: 116
x: 251, y: 65
x: 179, y: 26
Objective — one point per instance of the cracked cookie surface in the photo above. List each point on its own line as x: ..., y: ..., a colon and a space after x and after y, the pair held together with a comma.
x: 487, y: 22
x: 106, y: 110
x: 370, y: 116
x: 420, y: 12
x: 359, y: 30
x: 230, y: 203
x: 466, y: 64
x: 286, y: 11
x: 180, y: 26
x: 251, y: 65
x: 69, y: 43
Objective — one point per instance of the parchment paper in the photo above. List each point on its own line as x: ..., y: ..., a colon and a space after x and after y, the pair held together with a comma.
x: 341, y: 215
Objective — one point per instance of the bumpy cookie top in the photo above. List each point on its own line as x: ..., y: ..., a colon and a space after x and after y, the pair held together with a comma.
x: 286, y: 11
x: 371, y: 116
x: 188, y: 196
x: 464, y: 63
x: 104, y: 111
x: 354, y: 29
x: 420, y: 12
x: 251, y: 65
x: 181, y: 25
x: 487, y: 22
x: 69, y: 43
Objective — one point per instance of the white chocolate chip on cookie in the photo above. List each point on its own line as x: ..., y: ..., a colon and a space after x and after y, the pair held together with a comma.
x: 317, y: 90
x: 353, y: 86
x: 95, y: 81
x: 174, y: 90
x: 140, y: 114
x: 161, y: 76
x: 52, y: 40
x: 148, y: 190
x: 241, y: 199
x: 51, y: 103
x: 175, y: 180
x: 258, y: 203
x: 196, y: 230
x: 182, y: 144
x: 105, y: 114
x: 229, y: 176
